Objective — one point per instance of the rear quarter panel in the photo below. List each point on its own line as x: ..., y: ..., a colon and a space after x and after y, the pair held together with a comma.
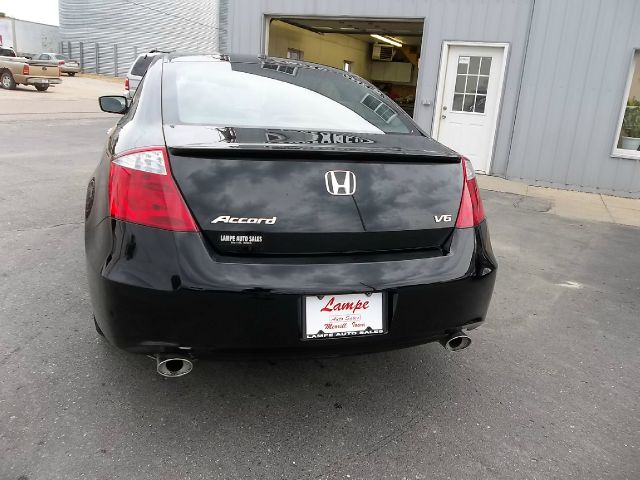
x: 15, y: 67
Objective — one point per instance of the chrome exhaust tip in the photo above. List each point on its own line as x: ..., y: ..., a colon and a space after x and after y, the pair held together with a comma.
x: 456, y: 341
x: 173, y: 366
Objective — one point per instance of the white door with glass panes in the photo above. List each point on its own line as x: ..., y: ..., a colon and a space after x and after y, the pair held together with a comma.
x: 468, y: 111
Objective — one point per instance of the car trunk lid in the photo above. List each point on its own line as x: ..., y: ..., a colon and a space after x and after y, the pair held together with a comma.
x: 267, y: 192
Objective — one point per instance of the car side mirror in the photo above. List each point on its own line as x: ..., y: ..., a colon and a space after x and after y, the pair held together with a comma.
x: 113, y: 104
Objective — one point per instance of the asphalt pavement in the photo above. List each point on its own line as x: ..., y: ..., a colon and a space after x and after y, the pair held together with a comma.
x: 549, y: 388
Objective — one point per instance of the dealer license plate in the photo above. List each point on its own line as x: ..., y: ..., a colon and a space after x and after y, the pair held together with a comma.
x: 339, y: 316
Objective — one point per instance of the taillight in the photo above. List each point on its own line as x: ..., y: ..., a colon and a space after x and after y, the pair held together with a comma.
x: 60, y: 62
x: 142, y: 190
x: 25, y: 70
x: 471, y: 211
x: 126, y: 84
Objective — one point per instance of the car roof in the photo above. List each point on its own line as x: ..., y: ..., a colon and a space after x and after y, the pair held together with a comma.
x: 213, y: 57
x: 245, y: 58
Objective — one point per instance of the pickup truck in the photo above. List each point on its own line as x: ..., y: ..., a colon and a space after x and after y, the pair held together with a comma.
x: 16, y: 70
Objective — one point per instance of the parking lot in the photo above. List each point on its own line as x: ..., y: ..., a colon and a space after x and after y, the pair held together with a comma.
x: 549, y: 388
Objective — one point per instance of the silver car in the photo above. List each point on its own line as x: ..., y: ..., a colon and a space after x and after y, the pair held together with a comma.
x: 68, y: 66
x: 137, y: 71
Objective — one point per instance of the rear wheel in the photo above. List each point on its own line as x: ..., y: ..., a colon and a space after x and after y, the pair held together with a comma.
x: 42, y: 88
x: 7, y: 81
x: 71, y: 74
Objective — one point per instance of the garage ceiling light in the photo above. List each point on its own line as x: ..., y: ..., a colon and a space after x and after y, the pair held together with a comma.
x: 393, y: 42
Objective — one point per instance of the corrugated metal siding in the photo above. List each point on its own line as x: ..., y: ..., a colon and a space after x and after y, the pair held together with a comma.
x: 463, y: 20
x: 572, y: 92
x: 568, y: 97
x: 136, y: 26
x: 223, y: 24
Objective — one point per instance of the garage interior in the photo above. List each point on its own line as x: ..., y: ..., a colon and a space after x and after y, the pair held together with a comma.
x: 386, y: 53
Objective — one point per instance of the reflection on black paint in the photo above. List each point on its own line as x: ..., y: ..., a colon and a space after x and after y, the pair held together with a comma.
x: 314, y: 138
x: 130, y: 248
x: 391, y: 196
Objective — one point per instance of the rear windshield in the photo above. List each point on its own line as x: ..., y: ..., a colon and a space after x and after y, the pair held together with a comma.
x: 140, y: 67
x: 276, y: 95
x: 61, y: 57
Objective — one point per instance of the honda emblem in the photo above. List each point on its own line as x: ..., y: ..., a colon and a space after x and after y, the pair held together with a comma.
x: 340, y: 182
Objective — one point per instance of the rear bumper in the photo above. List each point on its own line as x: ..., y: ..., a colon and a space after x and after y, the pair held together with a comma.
x: 40, y: 81
x: 218, y: 306
x: 69, y: 69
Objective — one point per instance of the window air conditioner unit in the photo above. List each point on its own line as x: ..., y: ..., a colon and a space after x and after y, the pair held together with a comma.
x: 383, y: 52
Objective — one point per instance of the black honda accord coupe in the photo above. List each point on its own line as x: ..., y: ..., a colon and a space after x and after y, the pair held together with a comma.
x: 255, y: 206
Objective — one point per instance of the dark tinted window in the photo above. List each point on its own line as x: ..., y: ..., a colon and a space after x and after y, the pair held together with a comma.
x: 141, y: 65
x: 5, y: 52
x: 276, y: 95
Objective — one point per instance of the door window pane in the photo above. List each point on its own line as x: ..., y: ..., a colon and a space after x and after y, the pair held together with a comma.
x: 472, y: 83
x: 457, y: 103
x: 485, y: 67
x: 472, y: 79
x: 469, y: 101
x: 474, y: 65
x: 483, y: 84
x: 479, y: 104
x: 463, y: 64
x: 629, y: 135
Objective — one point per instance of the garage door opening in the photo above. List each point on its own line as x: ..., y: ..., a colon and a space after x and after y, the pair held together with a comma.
x: 386, y: 53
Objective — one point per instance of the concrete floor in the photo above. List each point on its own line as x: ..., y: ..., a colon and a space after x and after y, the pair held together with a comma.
x: 548, y: 389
